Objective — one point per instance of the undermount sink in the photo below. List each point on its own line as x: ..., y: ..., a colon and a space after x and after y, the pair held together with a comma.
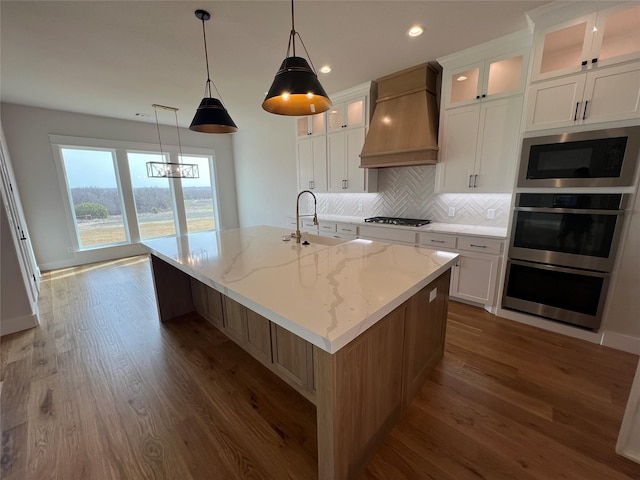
x: 320, y: 240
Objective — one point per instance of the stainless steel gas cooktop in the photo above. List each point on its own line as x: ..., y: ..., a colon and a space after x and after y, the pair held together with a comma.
x: 411, y: 222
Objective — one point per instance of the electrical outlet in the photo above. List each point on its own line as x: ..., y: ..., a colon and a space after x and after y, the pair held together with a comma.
x: 452, y: 211
x: 491, y: 213
x: 359, y: 207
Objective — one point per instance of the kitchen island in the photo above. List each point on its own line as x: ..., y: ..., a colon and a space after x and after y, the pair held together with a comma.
x: 353, y: 326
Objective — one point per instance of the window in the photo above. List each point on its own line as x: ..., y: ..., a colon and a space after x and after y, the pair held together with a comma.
x: 92, y: 183
x: 198, y: 197
x: 106, y: 180
x: 153, y: 198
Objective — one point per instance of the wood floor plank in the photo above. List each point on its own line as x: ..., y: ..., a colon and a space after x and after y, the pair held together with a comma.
x: 102, y: 390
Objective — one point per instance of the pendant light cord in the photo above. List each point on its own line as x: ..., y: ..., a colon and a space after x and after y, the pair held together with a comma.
x: 292, y: 42
x: 207, y: 87
x: 155, y: 109
x: 293, y: 30
x: 206, y: 59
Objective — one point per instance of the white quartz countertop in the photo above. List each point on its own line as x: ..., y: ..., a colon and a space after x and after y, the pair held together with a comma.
x: 326, y: 294
x: 452, y: 228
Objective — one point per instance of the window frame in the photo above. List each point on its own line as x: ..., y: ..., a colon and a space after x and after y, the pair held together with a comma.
x: 123, y: 179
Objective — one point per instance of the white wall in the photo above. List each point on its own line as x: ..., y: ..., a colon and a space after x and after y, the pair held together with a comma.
x: 27, y: 131
x: 265, y: 155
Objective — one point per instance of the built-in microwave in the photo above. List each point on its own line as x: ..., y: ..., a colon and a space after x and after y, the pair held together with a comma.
x: 598, y: 158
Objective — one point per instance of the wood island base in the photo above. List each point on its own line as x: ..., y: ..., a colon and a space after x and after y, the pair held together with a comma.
x: 360, y: 391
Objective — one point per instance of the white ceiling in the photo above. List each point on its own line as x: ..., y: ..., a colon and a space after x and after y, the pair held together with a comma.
x: 117, y: 58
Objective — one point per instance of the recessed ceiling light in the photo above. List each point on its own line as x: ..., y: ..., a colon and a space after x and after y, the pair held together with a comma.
x: 325, y: 69
x: 461, y: 78
x: 415, y: 31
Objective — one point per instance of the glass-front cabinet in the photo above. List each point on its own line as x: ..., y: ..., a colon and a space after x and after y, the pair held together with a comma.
x: 492, y: 78
x: 347, y: 114
x: 311, y: 125
x: 603, y: 38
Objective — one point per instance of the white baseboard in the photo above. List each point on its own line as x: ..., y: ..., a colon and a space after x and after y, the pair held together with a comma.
x: 12, y: 325
x: 619, y: 341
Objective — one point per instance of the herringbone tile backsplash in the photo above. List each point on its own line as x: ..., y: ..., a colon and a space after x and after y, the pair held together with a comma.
x: 409, y: 192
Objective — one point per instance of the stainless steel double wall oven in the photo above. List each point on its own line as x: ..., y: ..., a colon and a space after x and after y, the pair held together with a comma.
x: 564, y: 239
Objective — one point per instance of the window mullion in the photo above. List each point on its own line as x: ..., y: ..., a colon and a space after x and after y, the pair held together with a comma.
x: 127, y: 194
x: 178, y: 201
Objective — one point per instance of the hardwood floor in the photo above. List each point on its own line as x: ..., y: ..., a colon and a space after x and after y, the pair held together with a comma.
x: 102, y: 390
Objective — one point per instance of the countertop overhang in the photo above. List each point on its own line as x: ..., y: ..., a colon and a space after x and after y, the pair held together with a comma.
x: 325, y: 294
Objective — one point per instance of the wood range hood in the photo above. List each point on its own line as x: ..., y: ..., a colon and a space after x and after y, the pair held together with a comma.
x: 404, y: 128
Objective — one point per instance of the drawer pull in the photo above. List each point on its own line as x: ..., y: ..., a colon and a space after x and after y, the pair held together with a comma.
x: 437, y: 241
x: 477, y: 246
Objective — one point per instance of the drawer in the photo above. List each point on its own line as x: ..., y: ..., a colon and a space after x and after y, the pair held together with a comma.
x: 479, y: 244
x: 388, y: 234
x: 327, y: 227
x: 437, y: 240
x: 348, y: 229
x: 308, y: 225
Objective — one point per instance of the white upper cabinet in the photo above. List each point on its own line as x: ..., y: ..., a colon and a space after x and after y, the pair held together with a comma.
x: 479, y: 147
x: 329, y: 145
x: 602, y: 95
x: 351, y: 113
x: 489, y: 79
x: 603, y: 38
x: 481, y: 120
x: 311, y: 125
x: 312, y: 164
x: 585, y: 70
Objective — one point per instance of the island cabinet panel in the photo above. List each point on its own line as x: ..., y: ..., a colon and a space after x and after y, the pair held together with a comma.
x: 199, y: 296
x: 173, y: 290
x: 424, y: 334
x: 259, y: 337
x: 235, y: 321
x: 215, y: 310
x: 292, y: 360
x: 359, y: 396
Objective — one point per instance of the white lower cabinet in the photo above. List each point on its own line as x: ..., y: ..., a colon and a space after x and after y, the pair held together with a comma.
x: 405, y: 237
x: 474, y: 276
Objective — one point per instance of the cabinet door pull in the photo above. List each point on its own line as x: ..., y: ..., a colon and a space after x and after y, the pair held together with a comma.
x: 594, y: 60
x: 575, y: 114
x: 436, y: 241
x: 475, y: 181
x: 470, y: 177
x: 584, y: 114
x: 346, y: 184
x: 477, y: 246
x: 477, y: 97
x: 484, y: 95
x: 584, y: 63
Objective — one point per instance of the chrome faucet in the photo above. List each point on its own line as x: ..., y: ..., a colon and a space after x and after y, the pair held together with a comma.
x: 315, y: 213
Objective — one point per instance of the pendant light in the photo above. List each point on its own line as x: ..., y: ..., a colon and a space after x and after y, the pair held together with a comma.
x: 211, y: 116
x: 170, y: 169
x: 296, y: 89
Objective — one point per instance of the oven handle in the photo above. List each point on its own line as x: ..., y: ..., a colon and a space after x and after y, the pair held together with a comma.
x: 554, y: 268
x: 580, y: 211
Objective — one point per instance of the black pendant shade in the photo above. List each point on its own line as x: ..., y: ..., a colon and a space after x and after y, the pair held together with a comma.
x: 296, y: 90
x: 212, y: 117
